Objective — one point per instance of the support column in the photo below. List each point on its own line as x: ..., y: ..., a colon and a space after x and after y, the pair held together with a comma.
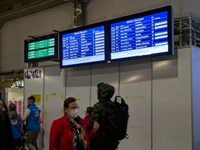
x: 79, y: 17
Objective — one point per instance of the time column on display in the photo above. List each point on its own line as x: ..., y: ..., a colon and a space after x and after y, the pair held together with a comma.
x: 153, y: 32
x: 115, y: 37
x: 66, y: 43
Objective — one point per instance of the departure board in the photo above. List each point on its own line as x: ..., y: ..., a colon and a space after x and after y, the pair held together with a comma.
x: 40, y: 48
x: 83, y: 46
x: 140, y: 36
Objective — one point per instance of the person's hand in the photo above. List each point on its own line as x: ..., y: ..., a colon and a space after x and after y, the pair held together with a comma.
x: 95, y: 126
x: 3, y: 109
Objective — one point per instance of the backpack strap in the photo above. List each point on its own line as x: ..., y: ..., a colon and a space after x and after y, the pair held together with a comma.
x: 122, y: 100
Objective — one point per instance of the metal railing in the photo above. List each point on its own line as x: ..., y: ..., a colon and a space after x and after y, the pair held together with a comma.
x: 186, y: 31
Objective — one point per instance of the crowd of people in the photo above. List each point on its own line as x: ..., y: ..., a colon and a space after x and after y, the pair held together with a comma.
x: 68, y: 132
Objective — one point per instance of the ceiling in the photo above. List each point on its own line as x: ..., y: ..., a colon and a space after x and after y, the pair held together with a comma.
x: 12, y: 9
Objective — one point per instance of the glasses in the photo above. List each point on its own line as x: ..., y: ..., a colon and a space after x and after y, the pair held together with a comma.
x: 75, y: 107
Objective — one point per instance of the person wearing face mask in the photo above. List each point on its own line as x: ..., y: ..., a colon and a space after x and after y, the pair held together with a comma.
x: 70, y: 131
x: 6, y: 135
x: 31, y: 116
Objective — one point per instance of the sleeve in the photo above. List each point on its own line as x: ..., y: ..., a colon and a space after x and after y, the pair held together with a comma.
x: 92, y: 134
x: 54, y: 143
x: 41, y: 121
x: 21, y: 127
x: 26, y: 115
x: 9, y: 132
x: 95, y: 115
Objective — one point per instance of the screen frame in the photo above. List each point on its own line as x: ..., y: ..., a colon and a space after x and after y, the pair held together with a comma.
x: 169, y: 10
x: 54, y: 57
x: 106, y: 34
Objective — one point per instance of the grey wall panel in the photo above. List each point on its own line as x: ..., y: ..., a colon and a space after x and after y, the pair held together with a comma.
x: 61, y: 18
x: 135, y: 87
x: 196, y: 96
x: 78, y: 86
x: 14, y: 32
x: 35, y: 86
x: 54, y: 94
x: 116, y: 8
x: 107, y: 73
x: 172, y: 102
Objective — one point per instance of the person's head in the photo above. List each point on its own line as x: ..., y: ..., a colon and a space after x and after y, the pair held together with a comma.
x: 105, y: 91
x: 31, y: 100
x: 88, y: 111
x: 12, y: 107
x: 3, y: 105
x: 71, y: 107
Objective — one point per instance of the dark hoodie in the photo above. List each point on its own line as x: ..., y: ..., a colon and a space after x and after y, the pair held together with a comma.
x: 105, y: 93
x: 6, y: 135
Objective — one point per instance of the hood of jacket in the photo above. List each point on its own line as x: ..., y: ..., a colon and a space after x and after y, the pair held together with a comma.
x: 13, y: 115
x: 105, y: 91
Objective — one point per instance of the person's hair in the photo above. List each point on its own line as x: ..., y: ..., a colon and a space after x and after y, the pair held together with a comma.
x: 32, y: 98
x: 4, y: 105
x: 12, y: 107
x: 68, y: 101
x: 89, y: 110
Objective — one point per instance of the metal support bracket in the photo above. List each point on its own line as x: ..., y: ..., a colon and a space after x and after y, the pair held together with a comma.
x: 79, y: 19
x: 33, y: 64
x: 187, y: 31
x: 79, y: 12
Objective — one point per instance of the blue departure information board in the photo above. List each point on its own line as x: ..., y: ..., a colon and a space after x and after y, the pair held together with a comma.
x: 83, y: 46
x: 140, y: 36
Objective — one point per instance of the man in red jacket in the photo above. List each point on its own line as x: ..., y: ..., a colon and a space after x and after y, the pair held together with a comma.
x: 70, y: 131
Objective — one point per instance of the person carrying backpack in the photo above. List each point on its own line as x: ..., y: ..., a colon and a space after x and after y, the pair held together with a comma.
x: 102, y: 141
x: 15, y: 119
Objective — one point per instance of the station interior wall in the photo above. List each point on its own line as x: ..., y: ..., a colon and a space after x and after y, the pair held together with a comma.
x: 158, y: 91
x: 15, y: 94
x: 195, y: 97
x: 14, y: 32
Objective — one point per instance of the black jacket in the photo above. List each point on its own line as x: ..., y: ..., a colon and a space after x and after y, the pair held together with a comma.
x: 105, y: 92
x: 6, y: 135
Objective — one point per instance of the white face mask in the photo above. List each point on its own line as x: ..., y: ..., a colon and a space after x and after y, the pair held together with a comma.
x: 74, y: 113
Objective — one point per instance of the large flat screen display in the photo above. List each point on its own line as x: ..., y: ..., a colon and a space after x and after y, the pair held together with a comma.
x: 142, y: 35
x: 83, y: 45
x: 41, y: 48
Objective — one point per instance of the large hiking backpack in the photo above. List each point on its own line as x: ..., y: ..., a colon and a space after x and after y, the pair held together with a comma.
x: 117, y: 119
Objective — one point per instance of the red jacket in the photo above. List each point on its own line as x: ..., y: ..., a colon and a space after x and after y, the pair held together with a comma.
x: 61, y: 134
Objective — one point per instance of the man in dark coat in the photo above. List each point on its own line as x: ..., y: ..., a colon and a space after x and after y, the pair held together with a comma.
x: 6, y: 135
x: 102, y: 141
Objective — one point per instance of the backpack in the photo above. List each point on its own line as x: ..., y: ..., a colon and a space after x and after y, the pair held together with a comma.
x: 117, y: 119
